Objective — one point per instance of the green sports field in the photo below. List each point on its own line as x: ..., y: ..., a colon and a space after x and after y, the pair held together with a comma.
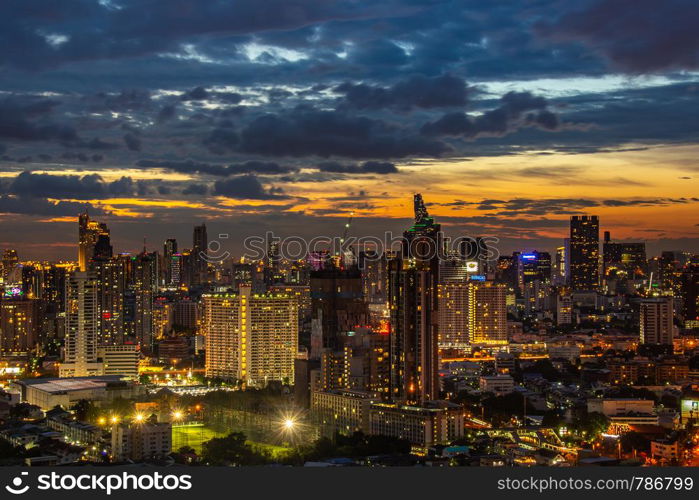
x: 195, y: 435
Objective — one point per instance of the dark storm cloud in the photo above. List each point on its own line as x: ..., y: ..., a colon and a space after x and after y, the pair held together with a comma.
x: 43, y: 207
x: 40, y: 35
x: 195, y: 189
x: 368, y: 167
x: 201, y: 94
x: 28, y: 184
x: 640, y: 36
x: 27, y: 119
x: 245, y: 187
x: 194, y: 167
x: 516, y: 109
x: 310, y: 132
x: 562, y: 206
x: 132, y: 142
x: 416, y: 92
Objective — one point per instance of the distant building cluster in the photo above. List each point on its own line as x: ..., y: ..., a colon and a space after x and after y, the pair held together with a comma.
x: 420, y: 342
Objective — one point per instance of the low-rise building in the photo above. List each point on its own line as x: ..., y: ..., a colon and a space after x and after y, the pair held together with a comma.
x: 435, y: 423
x: 141, y: 440
x: 497, y: 384
x: 342, y: 411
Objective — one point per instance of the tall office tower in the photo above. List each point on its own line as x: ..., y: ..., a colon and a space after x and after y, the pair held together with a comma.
x: 564, y: 309
x: 272, y: 269
x: 89, y: 234
x: 20, y: 324
x: 690, y: 293
x: 506, y: 269
x: 560, y: 268
x: 200, y: 252
x: 623, y: 260
x: 54, y: 288
x: 487, y: 313
x: 373, y: 267
x: 656, y: 316
x: 111, y: 282
x: 82, y: 323
x: 185, y: 316
x: 144, y: 285
x: 337, y: 306
x: 250, y: 338
x: 163, y: 317
x: 533, y: 266
x: 584, y: 252
x: 414, y: 306
x: 10, y: 260
x: 668, y: 270
x: 169, y: 250
x: 453, y: 314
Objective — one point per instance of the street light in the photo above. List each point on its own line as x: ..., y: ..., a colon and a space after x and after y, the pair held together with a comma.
x: 139, y: 417
x: 115, y: 419
x: 177, y: 415
x: 289, y: 424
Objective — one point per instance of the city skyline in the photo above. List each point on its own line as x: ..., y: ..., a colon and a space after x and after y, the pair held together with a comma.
x: 512, y: 118
x: 329, y: 233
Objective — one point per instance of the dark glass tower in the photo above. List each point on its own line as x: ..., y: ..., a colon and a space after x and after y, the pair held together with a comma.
x: 584, y: 252
x: 413, y: 299
x: 200, y: 263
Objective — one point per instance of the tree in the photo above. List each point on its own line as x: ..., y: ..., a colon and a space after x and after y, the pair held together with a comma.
x: 85, y: 410
x: 231, y: 450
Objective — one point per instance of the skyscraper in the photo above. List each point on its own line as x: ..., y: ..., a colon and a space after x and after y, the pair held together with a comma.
x: 89, y: 234
x: 337, y: 306
x: 20, y: 319
x: 144, y: 285
x: 169, y: 250
x: 584, y: 252
x: 656, y: 316
x: 414, y: 299
x: 251, y: 338
x: 487, y: 313
x: 200, y: 250
x: 82, y: 323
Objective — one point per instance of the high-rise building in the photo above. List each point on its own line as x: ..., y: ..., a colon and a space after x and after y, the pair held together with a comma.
x: 453, y: 315
x: 250, y: 338
x: 111, y: 281
x: 143, y: 284
x: 584, y: 252
x: 561, y: 271
x: 414, y: 303
x: 10, y: 261
x: 337, y: 306
x: 199, y: 259
x: 622, y: 260
x: 89, y: 234
x: 169, y: 250
x: 656, y: 324
x: 487, y: 313
x: 20, y: 324
x: 533, y: 266
x: 690, y: 293
x: 82, y: 324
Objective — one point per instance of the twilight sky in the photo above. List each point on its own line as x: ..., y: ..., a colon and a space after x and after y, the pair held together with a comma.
x: 285, y: 115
